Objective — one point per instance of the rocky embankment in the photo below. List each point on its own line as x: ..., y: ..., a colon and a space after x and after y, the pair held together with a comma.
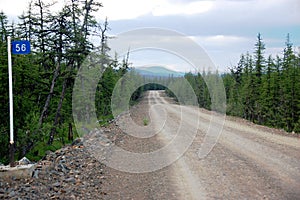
x: 68, y: 173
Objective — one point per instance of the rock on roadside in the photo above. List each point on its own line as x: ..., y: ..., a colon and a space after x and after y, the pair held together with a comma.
x: 68, y: 173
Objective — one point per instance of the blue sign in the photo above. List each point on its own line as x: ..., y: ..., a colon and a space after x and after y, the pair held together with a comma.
x: 21, y: 47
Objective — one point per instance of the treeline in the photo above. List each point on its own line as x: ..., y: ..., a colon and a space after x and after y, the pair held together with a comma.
x: 131, y: 87
x: 43, y: 80
x: 203, y: 89
x: 264, y: 90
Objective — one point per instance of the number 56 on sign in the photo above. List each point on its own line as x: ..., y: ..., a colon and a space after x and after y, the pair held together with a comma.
x: 21, y: 47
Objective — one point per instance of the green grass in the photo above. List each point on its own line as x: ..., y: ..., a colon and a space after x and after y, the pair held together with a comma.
x: 145, y: 121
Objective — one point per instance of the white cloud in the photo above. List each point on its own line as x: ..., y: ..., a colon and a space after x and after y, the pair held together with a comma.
x: 259, y: 12
x: 169, y: 8
x: 224, y: 50
x: 13, y: 9
x: 216, y: 42
x: 131, y: 9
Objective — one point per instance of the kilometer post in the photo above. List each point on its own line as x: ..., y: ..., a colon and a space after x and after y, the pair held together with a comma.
x: 11, y: 111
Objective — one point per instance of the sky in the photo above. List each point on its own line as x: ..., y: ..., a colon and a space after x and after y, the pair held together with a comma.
x: 224, y: 29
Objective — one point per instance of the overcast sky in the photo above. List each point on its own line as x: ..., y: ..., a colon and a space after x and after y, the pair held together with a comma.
x: 223, y: 28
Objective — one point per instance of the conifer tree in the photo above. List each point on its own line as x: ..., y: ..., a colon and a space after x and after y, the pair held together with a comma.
x: 258, y: 72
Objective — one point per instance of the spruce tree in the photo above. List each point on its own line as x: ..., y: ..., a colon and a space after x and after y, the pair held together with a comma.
x: 258, y: 72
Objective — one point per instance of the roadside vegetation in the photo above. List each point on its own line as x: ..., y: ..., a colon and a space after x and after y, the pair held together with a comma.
x: 43, y: 80
x: 145, y: 122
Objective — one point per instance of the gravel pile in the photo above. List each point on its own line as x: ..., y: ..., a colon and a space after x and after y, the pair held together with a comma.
x: 68, y: 173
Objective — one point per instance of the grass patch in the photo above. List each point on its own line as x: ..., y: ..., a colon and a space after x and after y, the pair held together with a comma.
x: 145, y: 121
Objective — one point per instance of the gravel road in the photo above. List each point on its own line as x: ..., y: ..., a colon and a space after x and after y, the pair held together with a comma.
x: 247, y: 161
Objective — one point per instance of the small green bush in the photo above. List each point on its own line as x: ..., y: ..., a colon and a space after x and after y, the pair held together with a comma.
x: 145, y: 121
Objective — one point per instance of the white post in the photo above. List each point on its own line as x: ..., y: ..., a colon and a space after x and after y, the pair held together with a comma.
x: 11, y: 111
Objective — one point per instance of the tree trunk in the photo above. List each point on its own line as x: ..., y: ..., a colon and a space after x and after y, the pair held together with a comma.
x: 47, y: 103
x: 57, y: 115
x: 70, y: 135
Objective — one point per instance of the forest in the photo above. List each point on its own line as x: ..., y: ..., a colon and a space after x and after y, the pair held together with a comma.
x: 43, y: 80
x: 264, y: 90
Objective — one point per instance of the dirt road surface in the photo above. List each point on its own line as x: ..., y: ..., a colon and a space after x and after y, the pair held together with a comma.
x: 247, y: 161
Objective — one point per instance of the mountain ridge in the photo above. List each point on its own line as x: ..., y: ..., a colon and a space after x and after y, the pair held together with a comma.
x: 158, y: 71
